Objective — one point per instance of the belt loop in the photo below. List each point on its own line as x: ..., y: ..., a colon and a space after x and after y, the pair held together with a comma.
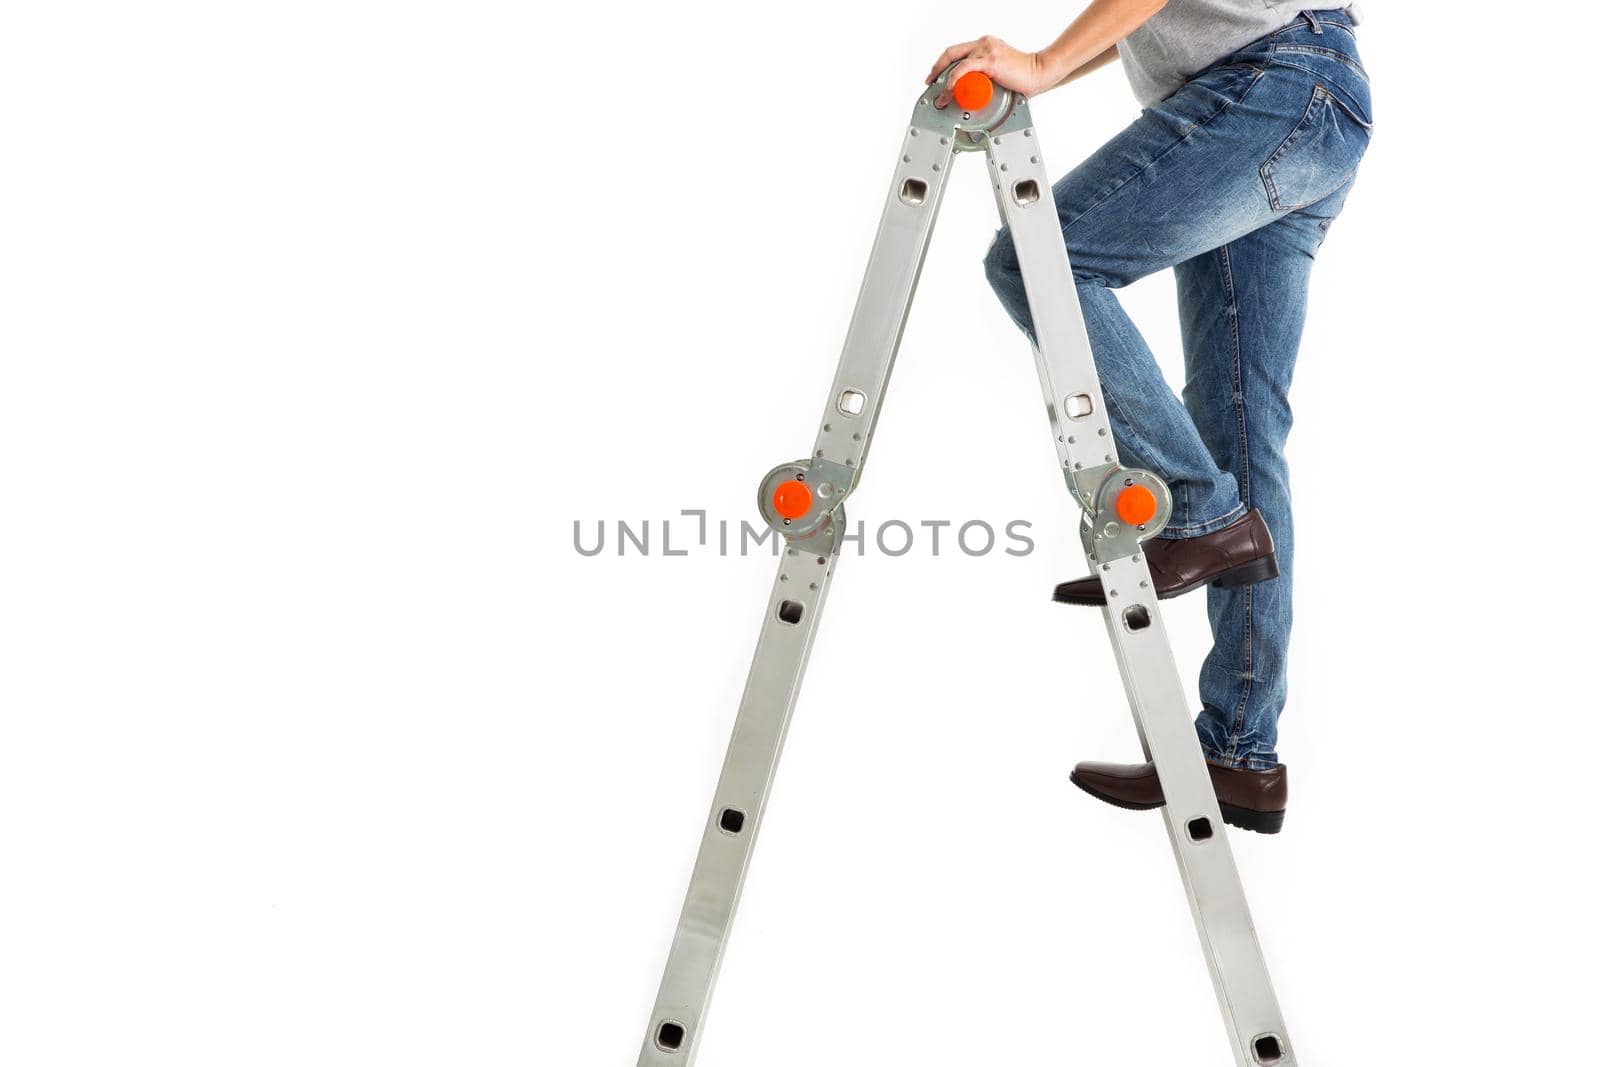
x: 1311, y: 17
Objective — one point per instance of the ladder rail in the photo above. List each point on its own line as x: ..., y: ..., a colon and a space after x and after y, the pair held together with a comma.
x: 738, y: 805
x: 772, y: 688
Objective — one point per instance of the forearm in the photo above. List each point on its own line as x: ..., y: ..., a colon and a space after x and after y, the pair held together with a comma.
x: 1091, y: 40
x: 1108, y: 56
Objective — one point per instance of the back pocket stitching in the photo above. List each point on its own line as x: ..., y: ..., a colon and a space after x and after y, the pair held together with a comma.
x: 1320, y: 97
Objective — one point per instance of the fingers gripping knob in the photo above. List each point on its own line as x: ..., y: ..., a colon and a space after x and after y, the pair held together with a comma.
x: 973, y: 90
x: 791, y: 500
x: 1136, y: 505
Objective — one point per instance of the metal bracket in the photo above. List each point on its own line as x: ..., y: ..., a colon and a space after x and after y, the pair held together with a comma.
x: 968, y: 129
x: 1107, y: 536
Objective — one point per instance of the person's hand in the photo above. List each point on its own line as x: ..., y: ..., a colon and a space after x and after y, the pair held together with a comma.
x: 1021, y: 72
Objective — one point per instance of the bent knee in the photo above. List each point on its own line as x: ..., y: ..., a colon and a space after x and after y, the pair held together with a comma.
x: 1000, y: 264
x: 1004, y: 270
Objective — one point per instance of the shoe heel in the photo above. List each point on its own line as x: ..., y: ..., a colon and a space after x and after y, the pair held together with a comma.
x: 1262, y: 822
x: 1257, y: 570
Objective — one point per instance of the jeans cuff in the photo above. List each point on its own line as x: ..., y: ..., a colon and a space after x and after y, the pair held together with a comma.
x: 1238, y: 763
x: 1198, y: 529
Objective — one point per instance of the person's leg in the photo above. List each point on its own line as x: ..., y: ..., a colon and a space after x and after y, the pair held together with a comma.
x: 1173, y: 184
x: 1241, y: 307
x: 1268, y: 139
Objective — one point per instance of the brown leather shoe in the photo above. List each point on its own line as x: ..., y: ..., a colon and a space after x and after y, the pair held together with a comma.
x: 1238, y: 554
x: 1250, y: 800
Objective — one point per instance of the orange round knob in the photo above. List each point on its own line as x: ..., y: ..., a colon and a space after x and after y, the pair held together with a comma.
x: 791, y: 499
x: 1136, y: 505
x: 973, y: 90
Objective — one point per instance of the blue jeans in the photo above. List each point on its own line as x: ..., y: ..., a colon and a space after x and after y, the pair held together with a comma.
x: 1232, y: 181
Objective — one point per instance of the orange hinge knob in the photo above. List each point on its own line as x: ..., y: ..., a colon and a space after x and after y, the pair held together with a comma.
x: 973, y: 90
x: 1136, y: 505
x: 791, y: 499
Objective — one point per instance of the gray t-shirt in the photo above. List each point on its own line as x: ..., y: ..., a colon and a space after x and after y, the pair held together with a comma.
x: 1187, y: 36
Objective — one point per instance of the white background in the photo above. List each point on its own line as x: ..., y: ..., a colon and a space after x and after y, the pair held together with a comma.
x: 323, y: 322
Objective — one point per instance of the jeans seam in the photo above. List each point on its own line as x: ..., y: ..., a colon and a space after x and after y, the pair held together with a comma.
x: 1247, y: 662
x: 1243, y: 477
x: 1314, y: 50
x: 1236, y: 375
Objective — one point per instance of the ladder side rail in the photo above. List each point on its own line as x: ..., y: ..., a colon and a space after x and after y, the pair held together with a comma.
x: 1149, y: 672
x: 1193, y: 818
x: 879, y: 318
x: 773, y: 685
x: 729, y: 836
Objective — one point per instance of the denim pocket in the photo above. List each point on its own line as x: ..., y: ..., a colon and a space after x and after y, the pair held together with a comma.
x: 1318, y: 156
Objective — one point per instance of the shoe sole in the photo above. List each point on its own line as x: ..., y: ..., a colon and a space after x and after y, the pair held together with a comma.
x: 1262, y: 569
x: 1261, y: 822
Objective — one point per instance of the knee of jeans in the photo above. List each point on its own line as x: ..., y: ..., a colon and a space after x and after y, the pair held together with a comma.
x: 1000, y: 264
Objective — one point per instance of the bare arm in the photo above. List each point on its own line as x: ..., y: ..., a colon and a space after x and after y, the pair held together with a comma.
x: 1089, y: 43
x: 1108, y: 56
